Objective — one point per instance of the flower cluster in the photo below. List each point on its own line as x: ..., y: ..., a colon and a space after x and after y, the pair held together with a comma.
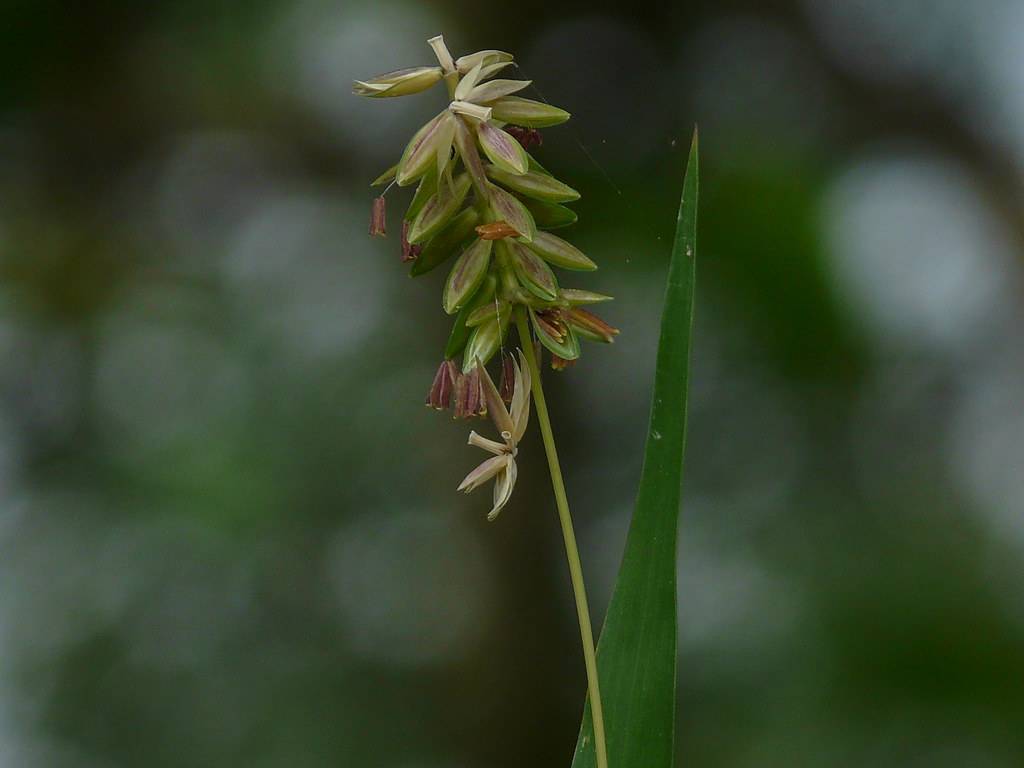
x: 482, y: 196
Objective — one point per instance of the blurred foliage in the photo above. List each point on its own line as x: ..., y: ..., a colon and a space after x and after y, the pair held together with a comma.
x: 228, y: 526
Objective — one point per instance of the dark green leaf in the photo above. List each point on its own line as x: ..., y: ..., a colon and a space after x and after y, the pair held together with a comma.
x: 637, y: 651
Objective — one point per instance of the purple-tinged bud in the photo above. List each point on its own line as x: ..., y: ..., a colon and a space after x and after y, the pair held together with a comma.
x: 508, y: 377
x: 465, y: 145
x: 528, y: 137
x: 511, y: 210
x: 378, y: 217
x: 502, y: 150
x: 439, y: 209
x: 409, y: 251
x: 469, y: 399
x: 440, y: 395
x: 533, y: 272
x: 466, y: 276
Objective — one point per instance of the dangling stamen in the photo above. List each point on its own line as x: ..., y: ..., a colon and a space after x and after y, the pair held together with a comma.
x: 378, y: 217
x: 508, y: 374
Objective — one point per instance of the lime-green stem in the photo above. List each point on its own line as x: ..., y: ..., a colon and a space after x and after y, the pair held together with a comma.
x: 571, y: 550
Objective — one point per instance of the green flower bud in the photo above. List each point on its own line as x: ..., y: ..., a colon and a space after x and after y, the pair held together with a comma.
x: 401, y: 82
x: 485, y: 341
x: 439, y: 209
x: 562, y: 254
x: 550, y: 215
x: 486, y: 311
x: 577, y: 297
x: 540, y: 186
x: 509, y: 209
x: 502, y: 149
x: 426, y: 188
x: 466, y: 275
x: 421, y: 152
x: 445, y: 243
x: 532, y: 114
x: 492, y: 90
x: 533, y: 273
x: 465, y: 63
x: 460, y: 331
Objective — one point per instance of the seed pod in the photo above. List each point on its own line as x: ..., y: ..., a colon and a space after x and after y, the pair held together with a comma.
x: 401, y: 82
x: 445, y: 243
x: 557, y: 251
x: 421, y: 152
x: 512, y: 211
x: 577, y: 297
x: 439, y: 209
x: 532, y: 114
x: 492, y: 90
x: 503, y: 150
x: 467, y: 62
x: 469, y: 398
x: 533, y: 273
x: 539, y: 186
x: 460, y: 331
x: 466, y: 275
x: 550, y: 215
x: 558, y: 339
x: 508, y: 377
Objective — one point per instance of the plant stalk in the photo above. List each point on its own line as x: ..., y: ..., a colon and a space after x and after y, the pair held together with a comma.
x: 571, y: 550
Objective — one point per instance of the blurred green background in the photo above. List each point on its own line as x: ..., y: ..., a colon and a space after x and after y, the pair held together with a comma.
x: 229, y: 533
